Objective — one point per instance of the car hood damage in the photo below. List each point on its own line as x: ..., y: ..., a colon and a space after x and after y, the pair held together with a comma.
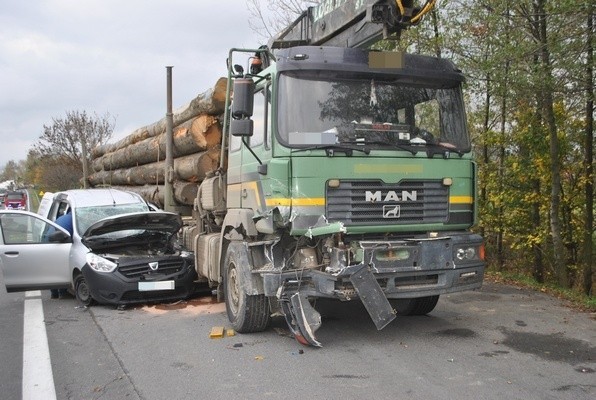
x: 132, y: 229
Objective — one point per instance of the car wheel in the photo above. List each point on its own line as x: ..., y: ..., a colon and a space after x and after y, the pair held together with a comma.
x: 82, y: 292
x: 417, y: 306
x: 247, y: 313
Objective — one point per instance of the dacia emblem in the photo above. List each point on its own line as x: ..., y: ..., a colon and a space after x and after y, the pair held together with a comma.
x: 153, y: 265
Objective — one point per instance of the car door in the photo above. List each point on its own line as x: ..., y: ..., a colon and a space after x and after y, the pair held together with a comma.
x: 30, y: 257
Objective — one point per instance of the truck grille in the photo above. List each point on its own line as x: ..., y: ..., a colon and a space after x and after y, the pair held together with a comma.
x: 375, y: 203
x: 138, y: 268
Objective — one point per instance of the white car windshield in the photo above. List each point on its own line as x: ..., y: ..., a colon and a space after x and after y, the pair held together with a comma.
x: 87, y: 216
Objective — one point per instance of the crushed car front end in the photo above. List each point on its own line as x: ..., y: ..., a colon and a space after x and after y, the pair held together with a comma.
x: 134, y: 258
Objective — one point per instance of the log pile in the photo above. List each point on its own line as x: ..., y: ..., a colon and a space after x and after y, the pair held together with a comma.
x: 137, y: 162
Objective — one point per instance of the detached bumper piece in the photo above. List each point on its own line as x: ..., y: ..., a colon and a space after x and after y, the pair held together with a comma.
x: 409, y: 268
x: 372, y: 296
x: 303, y: 320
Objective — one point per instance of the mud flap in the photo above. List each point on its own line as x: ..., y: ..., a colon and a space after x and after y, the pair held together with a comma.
x: 303, y: 320
x: 372, y: 297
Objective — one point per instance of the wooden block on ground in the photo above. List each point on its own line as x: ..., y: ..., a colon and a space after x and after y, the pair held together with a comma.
x: 217, y: 332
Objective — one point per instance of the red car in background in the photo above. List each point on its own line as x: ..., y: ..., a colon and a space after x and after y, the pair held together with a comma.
x: 15, y: 201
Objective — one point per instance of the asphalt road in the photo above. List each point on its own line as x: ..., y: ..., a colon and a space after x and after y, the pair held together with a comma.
x: 499, y: 342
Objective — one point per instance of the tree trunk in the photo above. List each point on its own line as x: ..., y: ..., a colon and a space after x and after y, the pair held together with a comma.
x: 196, y: 135
x: 555, y: 166
x: 485, y: 157
x: 184, y: 192
x: 191, y: 168
x: 588, y: 241
x: 538, y: 269
x: 211, y: 102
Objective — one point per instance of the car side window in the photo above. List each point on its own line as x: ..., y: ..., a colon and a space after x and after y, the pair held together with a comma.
x: 23, y: 229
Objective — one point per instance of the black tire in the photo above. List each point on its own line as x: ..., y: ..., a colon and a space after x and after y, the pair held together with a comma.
x: 402, y: 306
x: 417, y: 306
x: 82, y: 292
x: 247, y: 313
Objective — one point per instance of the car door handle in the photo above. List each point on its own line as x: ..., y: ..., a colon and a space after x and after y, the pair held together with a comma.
x: 12, y: 253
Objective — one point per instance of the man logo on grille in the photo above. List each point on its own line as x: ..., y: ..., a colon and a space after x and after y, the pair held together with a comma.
x: 391, y: 211
x: 153, y: 266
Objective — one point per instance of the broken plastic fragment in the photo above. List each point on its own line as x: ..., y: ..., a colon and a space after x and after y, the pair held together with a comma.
x: 323, y: 227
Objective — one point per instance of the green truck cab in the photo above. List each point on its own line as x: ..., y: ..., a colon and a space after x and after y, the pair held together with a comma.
x: 348, y: 175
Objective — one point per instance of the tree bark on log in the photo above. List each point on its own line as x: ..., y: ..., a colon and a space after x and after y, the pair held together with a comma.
x: 193, y: 136
x: 184, y: 192
x: 191, y: 168
x: 211, y: 102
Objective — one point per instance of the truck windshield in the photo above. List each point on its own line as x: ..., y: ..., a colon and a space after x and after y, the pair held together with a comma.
x: 318, y: 110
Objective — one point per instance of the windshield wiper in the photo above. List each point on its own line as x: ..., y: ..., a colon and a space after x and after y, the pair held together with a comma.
x: 404, y: 147
x: 441, y: 148
x: 331, y: 149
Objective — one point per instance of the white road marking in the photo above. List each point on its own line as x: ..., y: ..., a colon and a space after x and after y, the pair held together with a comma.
x: 38, y: 379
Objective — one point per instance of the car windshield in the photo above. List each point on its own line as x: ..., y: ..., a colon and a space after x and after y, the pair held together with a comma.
x: 87, y: 216
x: 318, y: 110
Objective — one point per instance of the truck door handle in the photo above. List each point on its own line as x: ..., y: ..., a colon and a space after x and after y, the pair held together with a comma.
x: 244, y: 193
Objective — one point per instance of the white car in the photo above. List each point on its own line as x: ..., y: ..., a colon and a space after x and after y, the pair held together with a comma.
x: 120, y: 252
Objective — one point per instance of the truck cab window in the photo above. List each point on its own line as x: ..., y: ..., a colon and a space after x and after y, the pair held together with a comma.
x: 235, y: 143
x: 260, y: 117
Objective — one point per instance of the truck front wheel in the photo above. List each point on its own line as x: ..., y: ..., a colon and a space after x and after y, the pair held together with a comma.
x: 247, y: 313
x: 417, y: 306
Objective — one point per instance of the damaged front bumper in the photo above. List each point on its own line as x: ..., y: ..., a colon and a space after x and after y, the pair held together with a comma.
x: 378, y: 271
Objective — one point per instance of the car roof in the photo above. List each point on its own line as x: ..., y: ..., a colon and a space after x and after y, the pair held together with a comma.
x: 98, y: 197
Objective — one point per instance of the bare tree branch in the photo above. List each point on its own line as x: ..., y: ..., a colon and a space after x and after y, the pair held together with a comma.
x: 269, y: 17
x: 64, y: 136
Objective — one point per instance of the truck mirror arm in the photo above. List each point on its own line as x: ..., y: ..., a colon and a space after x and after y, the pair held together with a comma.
x: 251, y: 151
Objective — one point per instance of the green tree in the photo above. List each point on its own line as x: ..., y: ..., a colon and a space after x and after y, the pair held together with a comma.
x: 14, y: 171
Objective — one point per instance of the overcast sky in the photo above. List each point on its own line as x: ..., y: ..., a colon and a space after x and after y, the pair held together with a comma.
x: 108, y: 56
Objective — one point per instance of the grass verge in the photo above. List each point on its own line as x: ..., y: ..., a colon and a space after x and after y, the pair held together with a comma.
x: 578, y: 300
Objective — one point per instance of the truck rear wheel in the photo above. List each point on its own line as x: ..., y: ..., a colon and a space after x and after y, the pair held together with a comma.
x: 247, y: 313
x: 417, y: 306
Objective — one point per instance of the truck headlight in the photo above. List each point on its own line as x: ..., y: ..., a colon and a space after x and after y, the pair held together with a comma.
x: 100, y: 264
x: 469, y: 253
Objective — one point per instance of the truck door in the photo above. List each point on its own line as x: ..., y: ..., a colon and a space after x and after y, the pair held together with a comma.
x: 252, y: 191
x: 245, y: 186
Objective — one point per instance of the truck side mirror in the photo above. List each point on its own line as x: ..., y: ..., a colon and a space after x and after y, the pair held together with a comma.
x: 242, y: 107
x: 243, y: 104
x: 241, y: 127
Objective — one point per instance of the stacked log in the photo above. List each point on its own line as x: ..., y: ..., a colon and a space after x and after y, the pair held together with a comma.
x: 137, y: 162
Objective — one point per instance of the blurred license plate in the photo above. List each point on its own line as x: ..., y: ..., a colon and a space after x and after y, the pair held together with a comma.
x: 162, y: 285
